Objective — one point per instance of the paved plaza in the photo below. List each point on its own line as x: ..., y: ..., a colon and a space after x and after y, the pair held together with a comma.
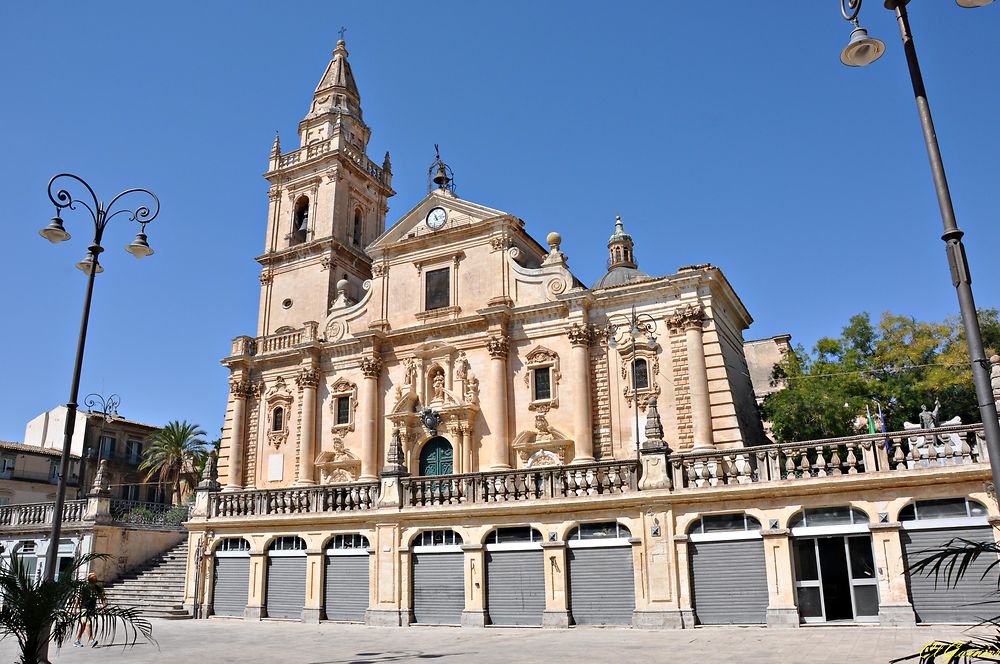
x: 296, y: 643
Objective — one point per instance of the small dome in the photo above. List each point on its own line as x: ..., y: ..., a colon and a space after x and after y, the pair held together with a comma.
x: 618, y: 276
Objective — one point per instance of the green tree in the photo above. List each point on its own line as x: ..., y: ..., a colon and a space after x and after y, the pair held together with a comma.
x: 173, y: 453
x: 35, y: 612
x: 901, y: 364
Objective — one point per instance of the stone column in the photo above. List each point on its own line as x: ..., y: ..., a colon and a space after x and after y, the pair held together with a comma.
x: 689, y: 319
x: 683, y: 571
x: 781, y: 608
x: 894, y: 608
x: 371, y: 367
x: 308, y: 380
x: 498, y: 345
x: 583, y: 425
x: 474, y: 614
x: 240, y: 389
x: 556, y: 598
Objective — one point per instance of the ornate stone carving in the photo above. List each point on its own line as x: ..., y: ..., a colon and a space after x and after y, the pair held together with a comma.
x: 307, y: 377
x: 472, y: 390
x: 410, y: 377
x: 241, y: 389
x: 326, y: 262
x: 337, y: 464
x: 343, y: 388
x: 541, y: 357
x: 461, y: 366
x: 266, y: 276
x: 579, y: 335
x: 654, y: 428
x: 101, y: 486
x: 498, y: 346
x: 371, y: 366
x: 380, y: 269
x: 279, y: 396
x: 688, y: 317
x: 498, y: 243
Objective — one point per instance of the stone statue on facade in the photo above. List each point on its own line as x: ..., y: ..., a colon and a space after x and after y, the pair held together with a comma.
x: 462, y: 367
x: 472, y: 390
x: 411, y: 372
x: 438, y: 388
x: 930, y: 419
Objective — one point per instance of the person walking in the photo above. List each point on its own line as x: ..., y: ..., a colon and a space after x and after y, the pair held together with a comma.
x: 86, y: 603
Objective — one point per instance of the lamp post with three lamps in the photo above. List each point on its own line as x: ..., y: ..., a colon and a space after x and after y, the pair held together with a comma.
x: 101, y: 214
x: 635, y: 324
x: 863, y: 50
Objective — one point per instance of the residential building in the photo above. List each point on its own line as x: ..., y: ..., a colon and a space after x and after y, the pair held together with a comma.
x: 438, y: 423
x: 29, y: 474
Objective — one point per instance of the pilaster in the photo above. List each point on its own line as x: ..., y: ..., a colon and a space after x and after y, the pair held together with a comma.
x: 894, y: 608
x: 781, y: 608
x: 474, y: 614
x: 556, y: 597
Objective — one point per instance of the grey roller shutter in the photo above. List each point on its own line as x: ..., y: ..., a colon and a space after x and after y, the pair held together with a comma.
x: 438, y: 588
x: 286, y: 587
x: 346, y: 588
x: 232, y: 586
x: 515, y: 587
x: 730, y: 582
x: 944, y: 603
x: 601, y: 586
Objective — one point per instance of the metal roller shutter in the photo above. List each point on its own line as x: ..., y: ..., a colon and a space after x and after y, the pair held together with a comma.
x: 515, y: 587
x: 232, y: 586
x: 730, y: 582
x: 286, y: 587
x: 346, y: 588
x: 944, y: 603
x: 438, y: 588
x: 601, y: 586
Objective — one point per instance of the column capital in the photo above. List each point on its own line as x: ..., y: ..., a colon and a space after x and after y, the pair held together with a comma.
x: 579, y: 335
x: 241, y: 388
x: 371, y: 366
x: 498, y: 345
x: 308, y: 377
x: 687, y: 317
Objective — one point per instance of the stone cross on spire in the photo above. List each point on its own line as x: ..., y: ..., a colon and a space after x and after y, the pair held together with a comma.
x: 341, y: 32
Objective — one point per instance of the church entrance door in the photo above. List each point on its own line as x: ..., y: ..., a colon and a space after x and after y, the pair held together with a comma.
x: 437, y: 457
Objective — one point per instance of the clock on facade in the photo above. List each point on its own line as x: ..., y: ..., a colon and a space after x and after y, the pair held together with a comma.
x: 435, y: 218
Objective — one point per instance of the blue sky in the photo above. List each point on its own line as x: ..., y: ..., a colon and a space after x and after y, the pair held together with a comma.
x: 723, y: 132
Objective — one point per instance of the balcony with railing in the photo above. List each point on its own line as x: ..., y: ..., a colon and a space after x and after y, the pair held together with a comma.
x: 831, y: 460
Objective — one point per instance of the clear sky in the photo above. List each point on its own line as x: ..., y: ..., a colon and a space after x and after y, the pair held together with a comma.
x: 724, y: 132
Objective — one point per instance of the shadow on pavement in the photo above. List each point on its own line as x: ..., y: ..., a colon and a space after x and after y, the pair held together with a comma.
x: 391, y: 656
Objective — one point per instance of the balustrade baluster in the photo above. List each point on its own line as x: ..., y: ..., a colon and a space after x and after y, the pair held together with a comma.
x: 835, y: 462
x: 820, y: 465
x: 804, y: 466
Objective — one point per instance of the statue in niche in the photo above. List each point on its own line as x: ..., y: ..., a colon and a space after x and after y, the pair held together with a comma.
x: 438, y: 388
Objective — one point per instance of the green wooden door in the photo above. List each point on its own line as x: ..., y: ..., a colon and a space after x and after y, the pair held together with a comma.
x: 437, y: 457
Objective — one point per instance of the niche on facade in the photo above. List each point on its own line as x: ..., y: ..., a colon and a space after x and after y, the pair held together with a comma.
x: 643, y: 368
x: 541, y: 377
x: 338, y: 465
x: 541, y: 446
x: 278, y: 405
x: 343, y: 404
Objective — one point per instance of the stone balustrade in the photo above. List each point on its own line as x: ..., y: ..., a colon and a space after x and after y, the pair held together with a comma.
x: 892, y: 451
x: 276, y: 342
x: 40, y: 514
x: 306, y: 500
x: 321, y: 148
x: 809, y: 460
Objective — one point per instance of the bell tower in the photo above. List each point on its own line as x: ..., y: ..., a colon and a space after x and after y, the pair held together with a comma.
x: 327, y: 201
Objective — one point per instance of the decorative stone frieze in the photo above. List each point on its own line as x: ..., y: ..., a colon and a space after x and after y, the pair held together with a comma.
x: 498, y: 346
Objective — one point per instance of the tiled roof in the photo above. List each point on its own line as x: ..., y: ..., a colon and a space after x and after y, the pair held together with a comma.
x: 31, y: 449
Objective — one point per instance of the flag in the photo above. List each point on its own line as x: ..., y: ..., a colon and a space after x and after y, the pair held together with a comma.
x: 888, y: 445
x: 871, y: 421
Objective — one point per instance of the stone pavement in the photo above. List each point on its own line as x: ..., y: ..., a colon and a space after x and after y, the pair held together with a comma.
x: 274, y: 642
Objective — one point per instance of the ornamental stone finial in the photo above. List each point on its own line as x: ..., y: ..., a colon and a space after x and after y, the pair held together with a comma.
x: 498, y: 346
x: 654, y: 428
x: 101, y: 486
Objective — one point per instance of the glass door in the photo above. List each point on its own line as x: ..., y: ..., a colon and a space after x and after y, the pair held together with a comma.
x: 808, y: 583
x: 864, y: 584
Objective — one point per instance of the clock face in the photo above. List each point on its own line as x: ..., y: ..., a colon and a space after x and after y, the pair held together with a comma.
x: 436, y: 218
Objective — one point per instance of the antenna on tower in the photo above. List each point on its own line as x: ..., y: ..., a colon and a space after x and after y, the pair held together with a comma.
x: 440, y: 174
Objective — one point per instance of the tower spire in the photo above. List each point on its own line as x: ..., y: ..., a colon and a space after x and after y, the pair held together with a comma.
x: 620, y: 247
x: 335, y: 100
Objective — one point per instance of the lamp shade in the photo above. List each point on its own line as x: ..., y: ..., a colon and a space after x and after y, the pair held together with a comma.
x: 54, y: 232
x: 87, y: 264
x: 972, y: 4
x: 861, y: 50
x: 139, y: 247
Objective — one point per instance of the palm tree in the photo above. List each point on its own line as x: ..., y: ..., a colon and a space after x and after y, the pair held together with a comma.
x: 173, y: 453
x: 35, y: 612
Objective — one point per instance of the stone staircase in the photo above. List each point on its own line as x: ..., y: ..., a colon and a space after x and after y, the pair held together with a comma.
x: 156, y: 589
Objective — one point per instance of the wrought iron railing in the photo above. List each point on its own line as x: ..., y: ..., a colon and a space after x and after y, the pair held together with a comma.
x: 149, y: 515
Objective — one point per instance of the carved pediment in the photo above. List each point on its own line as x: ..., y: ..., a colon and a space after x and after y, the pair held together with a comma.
x: 542, y: 445
x: 338, y: 464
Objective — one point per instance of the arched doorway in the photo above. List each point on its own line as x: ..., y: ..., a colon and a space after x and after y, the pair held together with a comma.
x: 437, y: 457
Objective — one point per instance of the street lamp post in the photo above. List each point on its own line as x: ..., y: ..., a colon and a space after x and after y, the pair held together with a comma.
x: 139, y: 247
x: 855, y: 55
x: 636, y: 324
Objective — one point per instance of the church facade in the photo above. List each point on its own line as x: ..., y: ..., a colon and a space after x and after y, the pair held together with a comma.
x: 438, y: 423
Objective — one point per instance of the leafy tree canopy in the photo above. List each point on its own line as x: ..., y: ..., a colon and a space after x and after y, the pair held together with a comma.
x: 900, y: 363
